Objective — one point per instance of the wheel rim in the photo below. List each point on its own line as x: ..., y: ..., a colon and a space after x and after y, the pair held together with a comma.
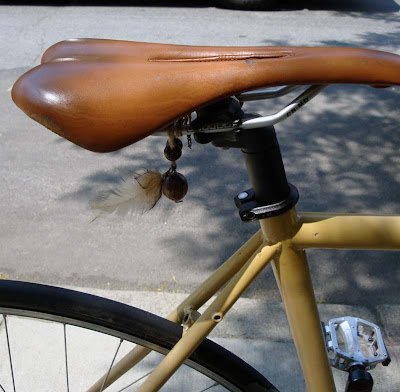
x: 14, y: 320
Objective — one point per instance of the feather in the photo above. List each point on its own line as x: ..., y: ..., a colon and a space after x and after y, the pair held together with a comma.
x: 135, y: 194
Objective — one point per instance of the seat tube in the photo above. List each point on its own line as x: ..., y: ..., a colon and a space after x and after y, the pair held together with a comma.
x: 294, y: 280
x: 267, y: 175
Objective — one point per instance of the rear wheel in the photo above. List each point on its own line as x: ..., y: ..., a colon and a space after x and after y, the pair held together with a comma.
x: 88, y: 334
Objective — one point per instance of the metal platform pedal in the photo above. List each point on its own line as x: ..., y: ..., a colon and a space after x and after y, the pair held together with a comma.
x: 355, y: 345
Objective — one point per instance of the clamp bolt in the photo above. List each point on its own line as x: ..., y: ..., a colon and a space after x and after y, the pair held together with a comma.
x: 243, y: 195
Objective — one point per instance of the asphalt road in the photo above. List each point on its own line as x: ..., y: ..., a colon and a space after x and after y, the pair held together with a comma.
x: 341, y: 152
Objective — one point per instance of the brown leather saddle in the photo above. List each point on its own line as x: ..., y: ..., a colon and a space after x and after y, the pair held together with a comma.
x: 104, y: 95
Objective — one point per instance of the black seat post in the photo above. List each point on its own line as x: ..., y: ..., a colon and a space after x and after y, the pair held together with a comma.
x: 262, y: 155
x: 271, y: 194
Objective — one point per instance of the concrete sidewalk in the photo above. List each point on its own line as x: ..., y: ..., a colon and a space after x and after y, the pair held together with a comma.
x: 255, y: 330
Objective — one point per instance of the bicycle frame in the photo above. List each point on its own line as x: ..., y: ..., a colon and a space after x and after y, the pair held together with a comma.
x: 282, y: 241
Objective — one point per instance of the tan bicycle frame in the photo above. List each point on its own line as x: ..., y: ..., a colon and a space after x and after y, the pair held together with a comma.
x: 282, y: 239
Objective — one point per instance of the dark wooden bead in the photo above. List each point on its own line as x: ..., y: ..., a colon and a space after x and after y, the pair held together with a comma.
x: 175, y: 186
x: 175, y: 152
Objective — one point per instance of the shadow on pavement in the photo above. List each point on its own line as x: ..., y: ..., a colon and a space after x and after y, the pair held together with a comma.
x: 342, y: 160
x: 343, y: 157
x: 371, y: 40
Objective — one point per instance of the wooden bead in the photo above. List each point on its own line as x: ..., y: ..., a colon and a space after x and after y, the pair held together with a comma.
x: 175, y: 152
x: 175, y: 186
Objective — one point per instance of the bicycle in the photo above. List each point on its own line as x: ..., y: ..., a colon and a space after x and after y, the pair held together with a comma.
x: 69, y: 92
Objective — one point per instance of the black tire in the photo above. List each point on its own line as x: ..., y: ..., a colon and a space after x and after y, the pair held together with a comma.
x: 128, y: 323
x: 247, y: 4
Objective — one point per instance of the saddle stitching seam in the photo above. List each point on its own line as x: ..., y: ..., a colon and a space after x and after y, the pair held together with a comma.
x: 218, y: 58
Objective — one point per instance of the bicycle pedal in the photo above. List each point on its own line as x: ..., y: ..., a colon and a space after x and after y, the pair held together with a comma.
x: 352, y: 341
